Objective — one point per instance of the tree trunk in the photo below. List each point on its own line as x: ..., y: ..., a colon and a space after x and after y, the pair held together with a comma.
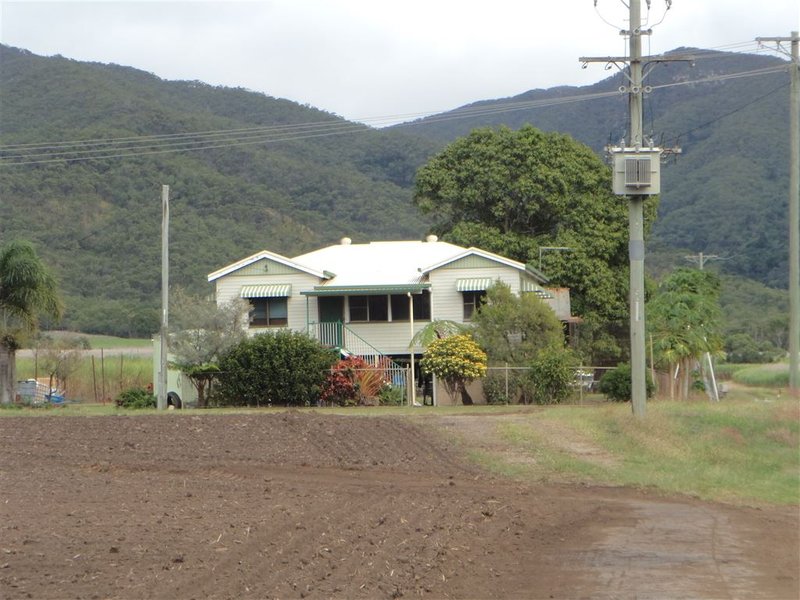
x: 686, y: 379
x: 466, y: 399
x: 672, y: 368
x: 200, y: 386
x: 8, y: 375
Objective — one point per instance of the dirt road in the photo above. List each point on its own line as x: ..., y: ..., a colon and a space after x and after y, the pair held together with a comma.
x: 314, y: 505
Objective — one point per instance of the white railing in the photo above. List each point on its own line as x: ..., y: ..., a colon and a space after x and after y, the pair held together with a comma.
x: 337, y: 335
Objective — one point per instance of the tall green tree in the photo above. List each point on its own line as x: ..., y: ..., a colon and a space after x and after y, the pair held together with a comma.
x: 27, y: 290
x: 684, y: 320
x: 513, y: 192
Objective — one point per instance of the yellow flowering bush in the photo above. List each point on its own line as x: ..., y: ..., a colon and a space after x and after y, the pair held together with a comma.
x: 456, y: 360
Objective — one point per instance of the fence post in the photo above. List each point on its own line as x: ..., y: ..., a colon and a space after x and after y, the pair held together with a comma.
x: 409, y: 383
x: 508, y: 400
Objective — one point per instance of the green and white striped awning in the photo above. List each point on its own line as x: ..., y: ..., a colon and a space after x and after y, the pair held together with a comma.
x: 273, y: 290
x: 477, y: 284
x: 530, y: 286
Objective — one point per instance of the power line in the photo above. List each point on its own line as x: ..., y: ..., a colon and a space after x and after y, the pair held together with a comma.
x: 133, y: 146
x: 732, y: 112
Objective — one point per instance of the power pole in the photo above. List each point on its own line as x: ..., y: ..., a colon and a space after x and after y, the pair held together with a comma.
x: 701, y: 259
x: 636, y: 142
x: 794, y: 207
x: 163, y: 380
x: 636, y: 223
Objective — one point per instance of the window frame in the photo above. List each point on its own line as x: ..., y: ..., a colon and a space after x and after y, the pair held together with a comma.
x: 472, y: 301
x: 281, y: 306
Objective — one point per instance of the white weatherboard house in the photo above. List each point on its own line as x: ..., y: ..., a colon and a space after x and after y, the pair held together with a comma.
x: 369, y: 299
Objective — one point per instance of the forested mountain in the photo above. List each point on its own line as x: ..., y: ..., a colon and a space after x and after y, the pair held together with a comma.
x: 727, y: 194
x: 97, y: 222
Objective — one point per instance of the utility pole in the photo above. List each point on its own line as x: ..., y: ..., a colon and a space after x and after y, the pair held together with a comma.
x: 794, y: 207
x: 701, y: 259
x: 638, y: 179
x: 636, y: 223
x: 163, y: 380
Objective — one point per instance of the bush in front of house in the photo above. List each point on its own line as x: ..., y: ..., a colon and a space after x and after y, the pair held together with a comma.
x: 616, y: 384
x: 284, y: 368
x: 495, y: 384
x: 136, y: 398
x: 353, y: 381
x: 551, y: 376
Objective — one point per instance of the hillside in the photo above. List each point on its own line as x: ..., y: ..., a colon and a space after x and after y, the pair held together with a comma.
x: 97, y: 223
x: 727, y: 193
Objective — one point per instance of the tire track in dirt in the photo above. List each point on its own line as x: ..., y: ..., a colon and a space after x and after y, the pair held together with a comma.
x: 315, y: 505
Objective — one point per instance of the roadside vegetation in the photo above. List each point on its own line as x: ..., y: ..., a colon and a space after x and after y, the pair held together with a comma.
x: 743, y: 450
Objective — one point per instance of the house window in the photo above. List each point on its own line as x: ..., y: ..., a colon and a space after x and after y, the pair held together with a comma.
x: 369, y: 308
x: 359, y: 308
x: 422, y: 306
x: 472, y: 301
x: 268, y: 312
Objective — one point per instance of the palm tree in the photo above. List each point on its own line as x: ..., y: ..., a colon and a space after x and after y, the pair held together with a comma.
x: 684, y: 320
x: 27, y: 290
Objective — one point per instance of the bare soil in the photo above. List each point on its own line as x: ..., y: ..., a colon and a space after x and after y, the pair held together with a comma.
x: 315, y: 505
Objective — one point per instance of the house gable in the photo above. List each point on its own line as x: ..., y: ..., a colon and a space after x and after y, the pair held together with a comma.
x: 268, y: 260
x: 472, y: 261
x: 264, y: 266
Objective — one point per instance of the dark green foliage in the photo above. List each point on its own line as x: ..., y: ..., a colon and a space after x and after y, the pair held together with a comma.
x: 727, y: 194
x: 684, y: 316
x: 756, y: 310
x: 284, y: 368
x: 551, y: 376
x: 97, y: 223
x: 514, y: 329
x: 512, y: 192
x: 391, y: 395
x: 741, y: 348
x: 616, y: 384
x: 494, y: 387
x: 27, y: 289
x: 136, y: 398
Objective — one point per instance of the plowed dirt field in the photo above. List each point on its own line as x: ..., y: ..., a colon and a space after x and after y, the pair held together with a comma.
x: 315, y: 505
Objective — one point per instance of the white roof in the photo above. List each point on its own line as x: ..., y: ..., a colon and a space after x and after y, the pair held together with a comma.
x: 374, y: 263
x: 379, y: 263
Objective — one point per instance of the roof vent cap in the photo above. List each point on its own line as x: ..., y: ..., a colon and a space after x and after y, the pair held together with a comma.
x: 345, y: 241
x: 431, y: 239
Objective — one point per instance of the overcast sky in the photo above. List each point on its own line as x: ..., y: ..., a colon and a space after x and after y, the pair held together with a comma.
x: 363, y: 59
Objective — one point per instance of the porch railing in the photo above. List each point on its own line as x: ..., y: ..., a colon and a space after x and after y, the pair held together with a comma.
x: 339, y: 336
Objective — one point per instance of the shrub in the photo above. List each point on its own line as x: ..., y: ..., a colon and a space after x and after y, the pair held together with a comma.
x: 136, y: 398
x: 551, y: 376
x: 742, y: 348
x: 354, y: 381
x: 456, y: 360
x: 494, y: 387
x: 284, y: 367
x: 391, y: 395
x: 616, y: 384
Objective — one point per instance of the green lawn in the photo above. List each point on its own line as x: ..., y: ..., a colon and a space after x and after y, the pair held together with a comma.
x: 741, y: 450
